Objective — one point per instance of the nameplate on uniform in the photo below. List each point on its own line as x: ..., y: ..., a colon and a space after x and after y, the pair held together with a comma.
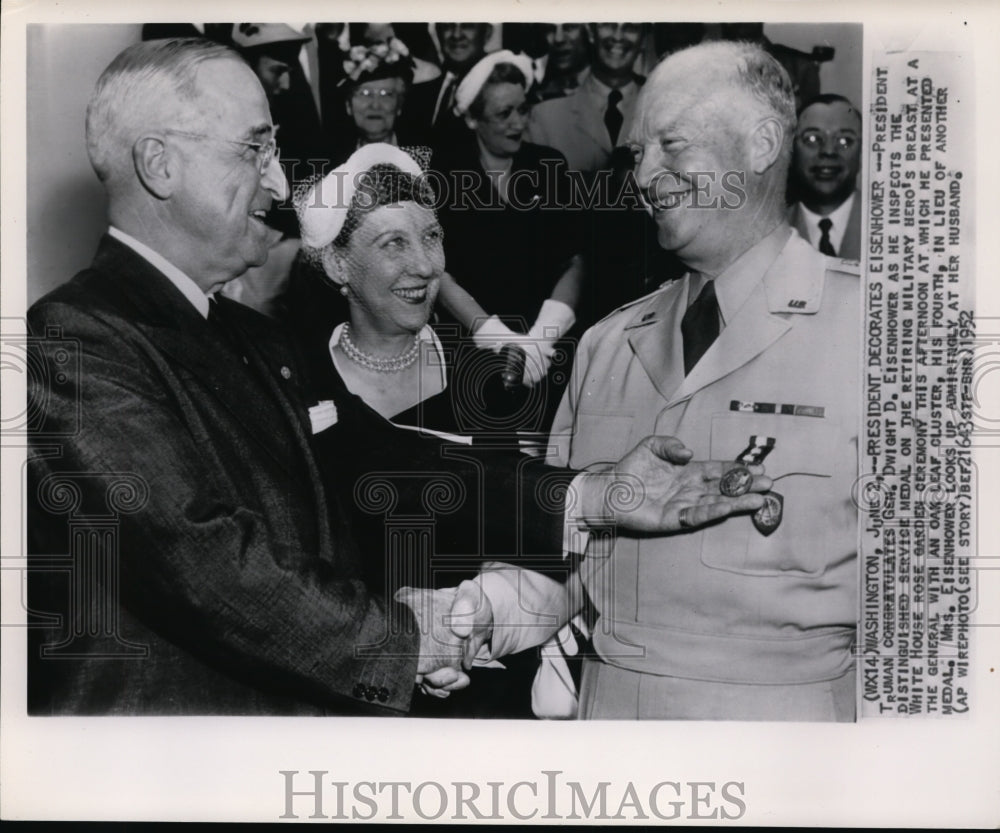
x: 774, y: 408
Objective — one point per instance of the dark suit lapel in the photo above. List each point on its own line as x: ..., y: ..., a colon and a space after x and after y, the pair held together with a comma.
x: 159, y: 310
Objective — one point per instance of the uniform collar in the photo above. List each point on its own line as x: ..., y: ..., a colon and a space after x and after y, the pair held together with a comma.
x: 735, y: 283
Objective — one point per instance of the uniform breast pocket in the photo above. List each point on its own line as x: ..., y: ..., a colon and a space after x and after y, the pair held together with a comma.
x: 801, y: 463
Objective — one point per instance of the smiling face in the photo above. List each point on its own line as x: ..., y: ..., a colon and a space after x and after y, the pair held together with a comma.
x: 827, y: 154
x: 690, y: 141
x: 221, y: 195
x: 617, y: 47
x: 504, y: 120
x: 393, y: 263
x: 374, y: 106
x: 462, y: 44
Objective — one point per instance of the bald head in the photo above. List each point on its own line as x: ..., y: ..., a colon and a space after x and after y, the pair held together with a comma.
x: 712, y: 135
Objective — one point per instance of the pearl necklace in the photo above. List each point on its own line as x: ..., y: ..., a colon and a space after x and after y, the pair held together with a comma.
x: 394, y: 364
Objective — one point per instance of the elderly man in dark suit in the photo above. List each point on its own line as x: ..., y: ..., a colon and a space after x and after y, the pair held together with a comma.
x: 208, y: 572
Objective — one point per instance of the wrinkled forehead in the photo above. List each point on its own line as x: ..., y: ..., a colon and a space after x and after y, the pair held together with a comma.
x: 403, y: 216
x: 231, y: 102
x: 837, y: 115
x: 685, y: 98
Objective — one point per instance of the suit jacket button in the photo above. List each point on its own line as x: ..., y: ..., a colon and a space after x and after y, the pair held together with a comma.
x: 383, y: 694
x: 285, y: 372
x: 370, y: 693
x: 359, y: 690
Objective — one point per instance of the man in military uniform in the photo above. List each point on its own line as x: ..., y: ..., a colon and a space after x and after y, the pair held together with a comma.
x: 752, y: 355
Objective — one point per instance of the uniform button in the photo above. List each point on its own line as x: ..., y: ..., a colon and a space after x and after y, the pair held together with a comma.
x: 359, y: 690
x: 383, y: 694
x: 370, y: 693
x: 285, y: 372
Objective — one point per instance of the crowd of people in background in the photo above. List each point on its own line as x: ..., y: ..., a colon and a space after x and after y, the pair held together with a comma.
x: 428, y: 217
x: 550, y: 114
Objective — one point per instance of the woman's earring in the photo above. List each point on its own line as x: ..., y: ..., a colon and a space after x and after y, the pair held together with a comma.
x: 344, y: 290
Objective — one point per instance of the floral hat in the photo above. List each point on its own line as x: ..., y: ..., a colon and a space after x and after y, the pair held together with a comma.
x: 380, y: 60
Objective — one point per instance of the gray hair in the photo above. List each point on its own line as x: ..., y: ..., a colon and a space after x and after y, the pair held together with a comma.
x: 147, y: 83
x: 752, y: 70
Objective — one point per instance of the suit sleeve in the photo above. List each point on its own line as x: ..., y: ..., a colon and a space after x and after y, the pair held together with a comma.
x: 207, y: 570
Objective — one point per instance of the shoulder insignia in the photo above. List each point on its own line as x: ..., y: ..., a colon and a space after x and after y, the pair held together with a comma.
x: 636, y: 303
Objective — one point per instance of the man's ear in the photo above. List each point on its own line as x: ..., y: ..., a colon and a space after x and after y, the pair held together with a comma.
x: 156, y: 166
x: 765, y: 144
x: 487, y: 33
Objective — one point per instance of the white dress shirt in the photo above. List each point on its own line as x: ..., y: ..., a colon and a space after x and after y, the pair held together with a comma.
x: 838, y: 219
x: 188, y: 288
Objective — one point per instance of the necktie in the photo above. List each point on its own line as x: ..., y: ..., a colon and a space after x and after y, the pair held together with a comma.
x: 613, y: 117
x: 700, y: 326
x: 446, y: 101
x: 825, y: 246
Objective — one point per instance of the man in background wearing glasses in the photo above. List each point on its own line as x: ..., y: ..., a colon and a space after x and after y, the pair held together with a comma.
x: 824, y: 172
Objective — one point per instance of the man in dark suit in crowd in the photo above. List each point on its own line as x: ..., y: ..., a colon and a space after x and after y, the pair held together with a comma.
x: 824, y: 173
x: 429, y: 107
x: 208, y: 571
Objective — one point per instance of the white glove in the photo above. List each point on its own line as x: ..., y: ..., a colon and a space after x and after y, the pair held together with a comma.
x: 553, y: 322
x: 494, y: 335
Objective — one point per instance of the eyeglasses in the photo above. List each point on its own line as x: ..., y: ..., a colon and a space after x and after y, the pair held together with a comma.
x: 266, y: 151
x: 814, y: 140
x: 377, y: 95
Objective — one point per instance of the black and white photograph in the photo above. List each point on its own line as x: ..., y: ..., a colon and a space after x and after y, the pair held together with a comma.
x: 611, y: 403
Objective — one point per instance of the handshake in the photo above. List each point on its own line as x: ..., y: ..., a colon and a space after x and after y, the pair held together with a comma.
x: 454, y: 625
x: 666, y: 492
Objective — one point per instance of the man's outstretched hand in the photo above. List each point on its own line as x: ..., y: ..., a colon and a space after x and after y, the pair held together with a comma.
x: 658, y: 488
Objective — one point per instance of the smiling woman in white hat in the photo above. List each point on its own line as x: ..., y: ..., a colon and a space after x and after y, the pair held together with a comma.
x: 370, y: 225
x: 512, y: 241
